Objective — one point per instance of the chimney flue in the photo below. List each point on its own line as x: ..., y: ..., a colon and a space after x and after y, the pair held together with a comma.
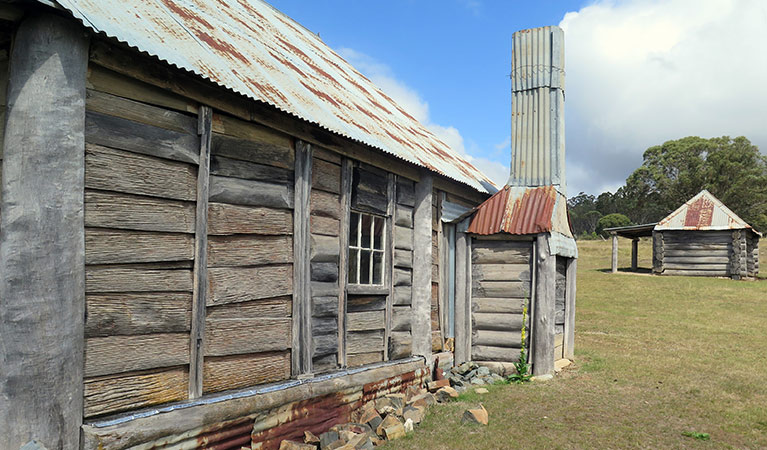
x: 538, y: 108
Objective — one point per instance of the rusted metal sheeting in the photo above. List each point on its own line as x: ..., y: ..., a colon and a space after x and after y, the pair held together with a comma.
x: 520, y: 211
x: 253, y: 49
x: 702, y: 212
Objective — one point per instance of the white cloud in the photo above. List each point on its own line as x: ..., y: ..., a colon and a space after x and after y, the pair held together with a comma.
x: 642, y: 72
x: 409, y: 99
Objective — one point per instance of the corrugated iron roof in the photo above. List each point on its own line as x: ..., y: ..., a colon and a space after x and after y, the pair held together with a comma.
x: 253, y: 49
x: 522, y: 210
x: 702, y: 212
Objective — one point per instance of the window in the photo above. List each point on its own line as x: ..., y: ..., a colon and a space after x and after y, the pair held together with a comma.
x: 366, y: 248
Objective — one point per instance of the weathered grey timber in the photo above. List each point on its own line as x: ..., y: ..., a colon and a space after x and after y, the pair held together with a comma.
x: 657, y: 251
x: 42, y: 250
x: 343, y: 264
x: 543, y: 357
x: 422, y: 260
x: 196, y: 343
x: 634, y: 253
x: 391, y: 195
x: 569, y: 344
x: 614, y: 265
x: 302, y: 247
x: 462, y: 300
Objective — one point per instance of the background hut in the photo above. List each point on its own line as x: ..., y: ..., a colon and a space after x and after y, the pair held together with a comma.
x: 705, y: 238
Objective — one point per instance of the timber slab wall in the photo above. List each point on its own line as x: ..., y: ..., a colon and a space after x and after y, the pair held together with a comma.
x: 258, y: 419
x: 725, y: 253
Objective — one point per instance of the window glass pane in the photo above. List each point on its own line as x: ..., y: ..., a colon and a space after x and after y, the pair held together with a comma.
x: 353, y: 266
x: 366, y: 221
x: 378, y: 267
x: 353, y: 225
x: 378, y: 233
x: 365, y: 267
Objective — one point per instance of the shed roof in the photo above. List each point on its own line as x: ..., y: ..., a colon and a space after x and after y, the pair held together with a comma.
x: 633, y: 231
x: 255, y: 50
x: 702, y: 212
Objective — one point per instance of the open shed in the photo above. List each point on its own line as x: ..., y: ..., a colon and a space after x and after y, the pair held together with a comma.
x: 633, y: 232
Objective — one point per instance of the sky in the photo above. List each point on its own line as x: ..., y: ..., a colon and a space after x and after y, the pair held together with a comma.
x: 638, y: 72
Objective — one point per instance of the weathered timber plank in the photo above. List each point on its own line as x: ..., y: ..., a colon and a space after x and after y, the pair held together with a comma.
x: 403, y: 295
x: 324, y: 271
x: 361, y: 359
x: 325, y: 363
x: 113, y: 105
x: 327, y: 155
x: 403, y: 258
x: 364, y: 341
x: 405, y: 192
x: 501, y: 272
x: 401, y: 318
x: 240, y: 284
x: 122, y: 247
x: 500, y: 289
x: 326, y: 176
x: 400, y: 345
x: 488, y: 353
x: 403, y: 216
x: 126, y: 279
x: 500, y: 252
x: 324, y: 344
x: 111, y: 394
x: 105, y: 80
x: 123, y: 134
x: 249, y: 250
x: 324, y: 289
x: 510, y: 339
x: 120, y: 171
x: 116, y: 354
x: 497, y: 321
x: 224, y: 219
x: 274, y: 150
x: 129, y: 212
x: 132, y: 314
x: 709, y: 237
x: 403, y: 277
x: 240, y: 336
x: 685, y: 253
x: 498, y: 305
x: 325, y: 204
x: 365, y: 320
x: 344, y: 206
x: 403, y: 238
x: 221, y: 373
x: 542, y: 317
x: 324, y: 249
x: 325, y: 306
x: 239, y: 191
x: 365, y: 303
x: 698, y: 273
x: 324, y: 325
x: 723, y: 267
x: 267, y: 307
x: 235, y: 168
x: 325, y: 225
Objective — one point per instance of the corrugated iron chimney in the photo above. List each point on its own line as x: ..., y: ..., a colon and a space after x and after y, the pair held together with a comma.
x: 538, y: 108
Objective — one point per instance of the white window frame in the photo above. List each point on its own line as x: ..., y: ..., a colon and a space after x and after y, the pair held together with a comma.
x: 371, y: 249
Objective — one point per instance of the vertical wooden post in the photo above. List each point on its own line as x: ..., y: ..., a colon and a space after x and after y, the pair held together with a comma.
x: 634, y: 254
x: 735, y: 256
x: 615, y: 253
x: 391, y: 194
x: 301, y: 349
x: 42, y: 243
x: 657, y: 252
x: 462, y: 301
x: 343, y: 264
x: 199, y: 295
x: 543, y: 339
x: 572, y: 268
x: 422, y: 260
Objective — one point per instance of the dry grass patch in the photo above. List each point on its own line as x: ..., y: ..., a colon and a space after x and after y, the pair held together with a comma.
x: 655, y: 357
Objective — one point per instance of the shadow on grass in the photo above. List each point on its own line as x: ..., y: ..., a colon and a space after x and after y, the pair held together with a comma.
x: 642, y: 270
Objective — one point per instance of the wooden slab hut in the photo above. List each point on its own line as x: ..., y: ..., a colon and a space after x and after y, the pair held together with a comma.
x: 213, y: 230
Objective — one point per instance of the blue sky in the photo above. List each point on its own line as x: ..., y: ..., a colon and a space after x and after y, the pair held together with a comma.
x: 639, y: 72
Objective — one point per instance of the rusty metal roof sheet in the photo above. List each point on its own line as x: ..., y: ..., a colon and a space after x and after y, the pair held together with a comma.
x: 702, y: 212
x: 253, y: 49
x: 522, y: 210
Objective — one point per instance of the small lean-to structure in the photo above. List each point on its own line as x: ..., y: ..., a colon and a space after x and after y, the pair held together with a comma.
x: 705, y: 238
x: 518, y: 247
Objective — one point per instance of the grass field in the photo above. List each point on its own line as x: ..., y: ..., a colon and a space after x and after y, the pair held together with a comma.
x: 655, y: 357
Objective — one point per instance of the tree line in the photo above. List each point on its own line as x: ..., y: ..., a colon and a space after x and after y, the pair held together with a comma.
x: 733, y: 170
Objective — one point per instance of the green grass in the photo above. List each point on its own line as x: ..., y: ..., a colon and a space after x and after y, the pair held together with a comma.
x: 660, y: 362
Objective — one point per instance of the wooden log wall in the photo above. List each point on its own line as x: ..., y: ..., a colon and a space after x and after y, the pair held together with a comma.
x: 437, y: 296
x: 325, y: 217
x: 501, y: 284
x: 140, y: 196
x: 559, y: 307
x: 697, y: 253
x: 401, y: 337
x: 5, y: 49
x: 753, y: 254
x: 248, y: 325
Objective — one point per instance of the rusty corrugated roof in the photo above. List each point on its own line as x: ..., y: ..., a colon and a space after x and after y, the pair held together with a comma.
x: 253, y: 49
x: 522, y: 210
x: 702, y: 212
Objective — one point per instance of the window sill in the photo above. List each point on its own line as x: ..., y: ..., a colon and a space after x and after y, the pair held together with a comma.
x: 367, y: 289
